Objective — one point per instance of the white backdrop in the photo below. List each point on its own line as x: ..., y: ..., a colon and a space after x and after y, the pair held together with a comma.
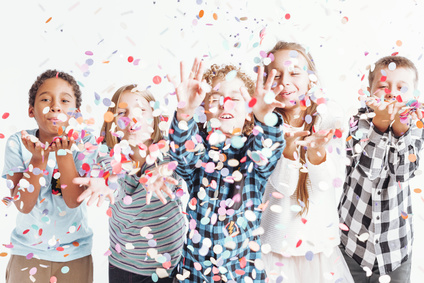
x: 343, y: 36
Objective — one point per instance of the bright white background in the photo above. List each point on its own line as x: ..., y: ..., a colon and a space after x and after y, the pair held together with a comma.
x: 161, y: 33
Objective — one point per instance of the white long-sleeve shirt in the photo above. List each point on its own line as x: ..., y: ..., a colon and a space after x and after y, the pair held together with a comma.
x: 288, y: 232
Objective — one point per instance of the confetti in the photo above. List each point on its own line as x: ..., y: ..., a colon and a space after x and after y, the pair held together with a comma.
x: 48, y: 20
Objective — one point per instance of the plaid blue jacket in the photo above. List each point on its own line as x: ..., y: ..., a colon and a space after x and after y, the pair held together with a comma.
x: 223, y: 241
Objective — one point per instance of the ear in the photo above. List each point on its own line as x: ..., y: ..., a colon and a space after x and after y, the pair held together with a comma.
x: 31, y: 111
x: 369, y: 89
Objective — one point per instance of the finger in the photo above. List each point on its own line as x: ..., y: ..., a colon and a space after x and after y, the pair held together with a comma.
x: 270, y: 80
x: 93, y: 198
x: 171, y: 181
x: 390, y: 109
x: 193, y: 69
x: 63, y: 142
x: 298, y: 134
x: 303, y: 143
x: 277, y: 104
x: 71, y: 141
x: 101, y: 200
x: 167, y: 191
x: 85, y: 194
x: 182, y: 74
x: 278, y: 89
x: 111, y: 198
x: 199, y: 74
x: 419, y: 114
x: 81, y: 181
x: 148, y: 197
x: 161, y: 197
x: 245, y: 94
x: 260, y: 79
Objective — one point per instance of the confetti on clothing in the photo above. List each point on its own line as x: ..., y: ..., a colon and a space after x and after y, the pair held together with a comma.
x: 144, y: 239
x: 51, y: 231
x: 376, y: 201
x: 226, y: 188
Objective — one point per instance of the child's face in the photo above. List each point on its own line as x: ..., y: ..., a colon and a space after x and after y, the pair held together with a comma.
x: 231, y: 113
x: 399, y: 81
x: 292, y: 74
x: 134, y: 117
x: 53, y: 100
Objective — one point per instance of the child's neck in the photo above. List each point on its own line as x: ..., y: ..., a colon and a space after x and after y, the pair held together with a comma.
x: 294, y: 117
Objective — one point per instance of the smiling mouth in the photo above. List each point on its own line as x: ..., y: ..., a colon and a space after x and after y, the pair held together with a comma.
x: 226, y: 116
x: 286, y: 93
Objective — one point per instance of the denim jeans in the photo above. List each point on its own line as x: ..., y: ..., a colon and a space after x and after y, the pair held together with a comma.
x: 117, y: 275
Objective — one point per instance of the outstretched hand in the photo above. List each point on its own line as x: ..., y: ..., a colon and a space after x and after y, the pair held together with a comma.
x: 157, y: 183
x: 96, y: 190
x: 190, y: 91
x: 38, y: 150
x: 264, y: 95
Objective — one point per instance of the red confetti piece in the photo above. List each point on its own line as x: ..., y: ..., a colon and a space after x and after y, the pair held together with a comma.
x: 386, y: 90
x: 86, y: 167
x: 338, y: 133
x: 243, y: 262
x: 5, y: 115
x: 1, y: 136
x: 109, y: 212
x: 243, y: 159
x: 25, y: 232
x: 287, y: 16
x: 298, y: 243
x: 60, y: 249
x: 304, y: 220
x: 399, y: 98
x: 252, y: 102
x: 395, y: 53
x: 130, y: 59
x: 157, y: 80
x: 40, y: 232
x: 383, y: 78
x: 362, y: 78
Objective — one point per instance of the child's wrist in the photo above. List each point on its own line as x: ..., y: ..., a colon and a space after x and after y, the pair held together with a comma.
x: 184, y: 115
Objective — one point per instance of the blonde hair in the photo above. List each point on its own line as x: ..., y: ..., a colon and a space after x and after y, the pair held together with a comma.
x: 302, y: 192
x: 110, y: 139
x: 401, y: 62
x: 219, y: 72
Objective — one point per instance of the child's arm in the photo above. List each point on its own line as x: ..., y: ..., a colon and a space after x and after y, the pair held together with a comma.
x: 183, y: 131
x: 68, y: 171
x: 190, y: 93
x: 366, y: 147
x: 404, y: 154
x: 27, y: 195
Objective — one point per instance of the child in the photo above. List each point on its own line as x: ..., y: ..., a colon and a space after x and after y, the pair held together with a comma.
x: 300, y: 221
x: 145, y: 237
x: 51, y: 240
x: 383, y: 148
x: 225, y: 186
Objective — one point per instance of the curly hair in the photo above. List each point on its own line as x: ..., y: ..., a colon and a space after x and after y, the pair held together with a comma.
x: 219, y: 72
x: 401, y: 62
x: 54, y: 74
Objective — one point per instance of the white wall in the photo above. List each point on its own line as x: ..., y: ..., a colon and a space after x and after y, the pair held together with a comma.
x: 161, y: 33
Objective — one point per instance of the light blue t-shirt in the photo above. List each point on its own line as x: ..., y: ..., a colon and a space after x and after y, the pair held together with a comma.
x: 51, y: 231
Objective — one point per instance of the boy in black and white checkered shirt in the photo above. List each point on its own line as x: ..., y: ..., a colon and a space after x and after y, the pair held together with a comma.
x: 383, y: 147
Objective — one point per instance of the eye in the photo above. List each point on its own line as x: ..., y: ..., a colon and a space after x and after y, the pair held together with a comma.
x: 382, y: 86
x: 65, y: 101
x: 120, y: 113
x: 277, y: 77
x: 45, y: 99
x: 295, y: 73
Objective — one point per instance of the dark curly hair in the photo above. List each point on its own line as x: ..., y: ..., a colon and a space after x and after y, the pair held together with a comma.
x: 54, y: 74
x: 220, y: 72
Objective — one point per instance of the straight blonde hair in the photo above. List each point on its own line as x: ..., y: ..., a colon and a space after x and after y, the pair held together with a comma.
x: 110, y: 139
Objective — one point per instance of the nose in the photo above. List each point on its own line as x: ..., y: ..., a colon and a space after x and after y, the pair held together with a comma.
x: 55, y: 106
x: 285, y: 79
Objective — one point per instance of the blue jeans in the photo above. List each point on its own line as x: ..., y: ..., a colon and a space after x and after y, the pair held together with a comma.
x: 117, y: 275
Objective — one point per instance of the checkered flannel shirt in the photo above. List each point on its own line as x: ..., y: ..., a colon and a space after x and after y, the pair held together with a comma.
x: 227, y: 248
x: 376, y: 198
